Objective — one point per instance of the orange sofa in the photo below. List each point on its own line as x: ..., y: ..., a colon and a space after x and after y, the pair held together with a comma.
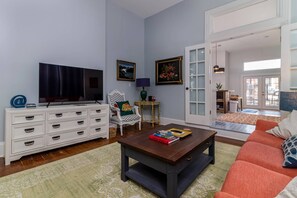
x: 257, y: 171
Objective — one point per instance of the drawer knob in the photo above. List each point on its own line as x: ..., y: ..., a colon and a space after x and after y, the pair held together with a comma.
x: 80, y: 122
x: 98, y: 111
x: 56, y: 137
x: 29, y: 117
x: 98, y: 129
x: 80, y: 133
x: 29, y: 130
x: 30, y: 143
x: 56, y: 126
x: 98, y: 120
x: 58, y: 115
x: 78, y: 113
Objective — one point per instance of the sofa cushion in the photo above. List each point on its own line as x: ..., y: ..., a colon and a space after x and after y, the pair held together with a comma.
x: 287, y: 127
x: 265, y: 138
x: 290, y: 152
x: 224, y: 195
x: 264, y: 125
x: 247, y: 180
x: 266, y: 156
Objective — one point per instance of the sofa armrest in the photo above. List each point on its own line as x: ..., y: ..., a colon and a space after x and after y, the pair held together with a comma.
x: 224, y: 195
x: 264, y: 125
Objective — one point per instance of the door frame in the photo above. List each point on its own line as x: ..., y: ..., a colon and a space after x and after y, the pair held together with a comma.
x: 278, y: 22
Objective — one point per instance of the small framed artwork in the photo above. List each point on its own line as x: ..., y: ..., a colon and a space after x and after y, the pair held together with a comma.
x: 126, y: 71
x: 169, y: 71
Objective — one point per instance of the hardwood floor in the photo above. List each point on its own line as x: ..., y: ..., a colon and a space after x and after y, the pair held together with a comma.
x: 38, y: 159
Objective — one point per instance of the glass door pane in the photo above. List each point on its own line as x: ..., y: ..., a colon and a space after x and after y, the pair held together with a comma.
x: 197, y: 90
x: 251, y: 91
x: 271, y: 90
x: 197, y: 82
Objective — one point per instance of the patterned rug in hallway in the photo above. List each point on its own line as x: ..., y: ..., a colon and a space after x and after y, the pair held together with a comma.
x: 244, y: 118
x: 96, y: 173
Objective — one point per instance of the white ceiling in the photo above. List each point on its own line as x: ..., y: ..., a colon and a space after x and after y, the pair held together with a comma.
x: 269, y: 38
x: 145, y: 8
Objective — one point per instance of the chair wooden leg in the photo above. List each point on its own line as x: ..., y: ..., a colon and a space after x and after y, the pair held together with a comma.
x: 139, y: 125
x: 121, y: 130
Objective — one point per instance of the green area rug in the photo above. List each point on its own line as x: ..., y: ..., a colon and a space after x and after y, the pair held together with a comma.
x: 96, y: 173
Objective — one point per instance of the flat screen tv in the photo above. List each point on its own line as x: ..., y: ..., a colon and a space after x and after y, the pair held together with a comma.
x: 58, y: 83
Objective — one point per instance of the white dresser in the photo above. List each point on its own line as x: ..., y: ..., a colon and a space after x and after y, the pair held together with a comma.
x: 29, y: 131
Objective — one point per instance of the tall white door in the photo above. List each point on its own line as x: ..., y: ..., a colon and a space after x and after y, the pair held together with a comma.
x: 261, y: 92
x: 197, y: 86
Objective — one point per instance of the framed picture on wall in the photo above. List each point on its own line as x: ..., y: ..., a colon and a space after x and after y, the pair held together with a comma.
x: 126, y: 71
x: 169, y: 71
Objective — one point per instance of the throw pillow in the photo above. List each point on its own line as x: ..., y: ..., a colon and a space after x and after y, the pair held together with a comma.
x: 290, y: 152
x: 125, y: 108
x: 290, y: 190
x: 287, y: 127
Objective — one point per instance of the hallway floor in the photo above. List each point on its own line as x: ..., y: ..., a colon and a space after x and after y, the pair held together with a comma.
x: 243, y: 128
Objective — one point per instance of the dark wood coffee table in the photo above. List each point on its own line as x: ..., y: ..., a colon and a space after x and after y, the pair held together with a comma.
x: 167, y: 170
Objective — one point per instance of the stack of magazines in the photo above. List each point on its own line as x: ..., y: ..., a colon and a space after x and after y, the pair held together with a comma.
x: 165, y: 137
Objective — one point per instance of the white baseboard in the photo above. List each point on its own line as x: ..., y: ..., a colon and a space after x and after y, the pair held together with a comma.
x: 222, y: 133
x: 1, y: 149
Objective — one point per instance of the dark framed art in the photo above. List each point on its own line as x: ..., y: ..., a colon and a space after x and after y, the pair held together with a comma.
x: 126, y: 71
x: 169, y: 71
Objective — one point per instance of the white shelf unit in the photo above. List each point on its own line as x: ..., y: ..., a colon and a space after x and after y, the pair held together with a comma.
x: 29, y: 131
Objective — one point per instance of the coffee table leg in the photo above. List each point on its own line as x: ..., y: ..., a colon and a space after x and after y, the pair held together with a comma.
x: 172, y: 184
x: 211, y: 151
x: 124, y: 164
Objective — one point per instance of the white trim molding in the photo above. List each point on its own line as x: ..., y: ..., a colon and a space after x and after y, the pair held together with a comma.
x: 2, y: 144
x: 281, y: 18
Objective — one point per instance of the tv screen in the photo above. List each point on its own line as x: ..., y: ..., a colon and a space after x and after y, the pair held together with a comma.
x: 58, y: 83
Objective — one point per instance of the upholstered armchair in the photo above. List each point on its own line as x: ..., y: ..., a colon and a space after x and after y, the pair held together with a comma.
x: 120, y: 112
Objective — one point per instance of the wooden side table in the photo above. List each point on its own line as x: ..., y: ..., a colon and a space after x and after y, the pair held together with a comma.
x: 152, y: 105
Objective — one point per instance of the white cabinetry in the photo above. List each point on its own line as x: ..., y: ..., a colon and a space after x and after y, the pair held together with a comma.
x: 29, y: 131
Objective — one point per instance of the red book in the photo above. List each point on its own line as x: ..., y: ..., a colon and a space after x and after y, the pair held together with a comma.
x: 162, y: 140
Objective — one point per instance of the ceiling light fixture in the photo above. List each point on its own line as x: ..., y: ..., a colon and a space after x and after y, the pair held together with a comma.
x: 216, y: 68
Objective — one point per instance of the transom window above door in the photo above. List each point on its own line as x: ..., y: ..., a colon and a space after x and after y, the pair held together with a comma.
x: 261, y: 65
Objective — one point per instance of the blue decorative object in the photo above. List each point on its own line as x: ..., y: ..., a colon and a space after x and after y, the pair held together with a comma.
x: 18, y: 101
x: 143, y: 82
x: 290, y: 152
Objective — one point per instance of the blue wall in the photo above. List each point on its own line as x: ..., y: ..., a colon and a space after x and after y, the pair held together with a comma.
x: 124, y: 41
x: 166, y: 35
x: 82, y: 33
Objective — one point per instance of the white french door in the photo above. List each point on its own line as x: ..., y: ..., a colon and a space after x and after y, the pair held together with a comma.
x: 197, y: 87
x: 261, y: 92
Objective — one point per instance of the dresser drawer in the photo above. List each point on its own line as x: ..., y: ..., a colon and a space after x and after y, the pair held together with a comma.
x: 98, y: 111
x: 64, y: 137
x: 29, y: 117
x: 27, y: 130
x: 27, y: 145
x: 65, y: 125
x: 67, y: 114
x: 99, y: 120
x: 98, y: 130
